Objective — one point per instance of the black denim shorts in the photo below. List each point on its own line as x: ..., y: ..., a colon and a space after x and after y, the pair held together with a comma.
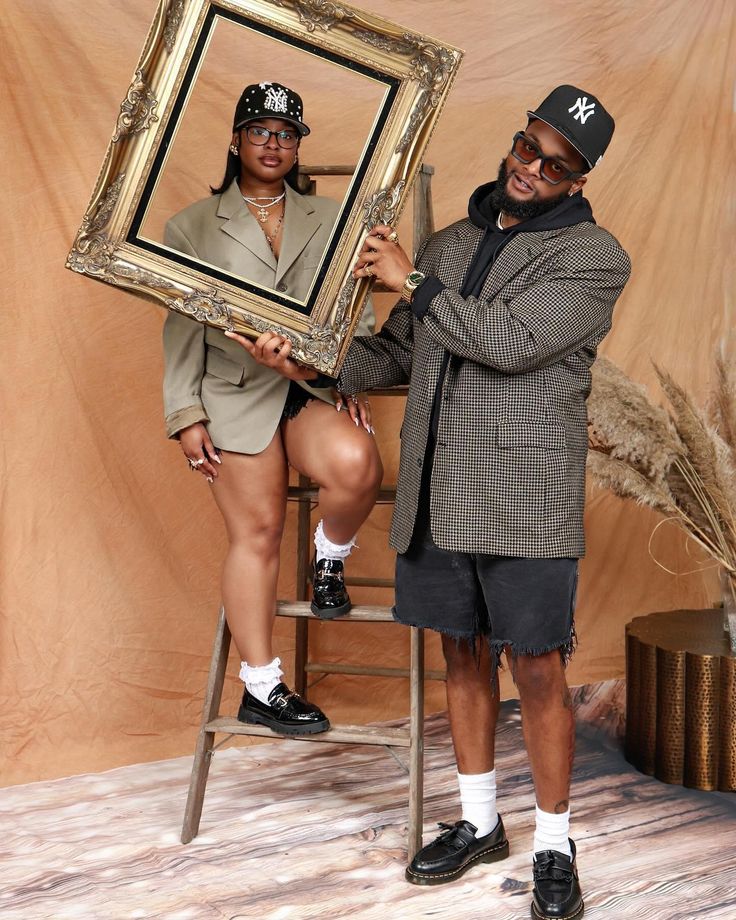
x: 523, y: 605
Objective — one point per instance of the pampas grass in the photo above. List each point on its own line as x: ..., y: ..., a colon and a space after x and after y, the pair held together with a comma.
x: 678, y: 460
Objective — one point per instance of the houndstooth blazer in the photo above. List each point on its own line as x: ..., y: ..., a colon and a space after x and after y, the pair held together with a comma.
x: 508, y: 475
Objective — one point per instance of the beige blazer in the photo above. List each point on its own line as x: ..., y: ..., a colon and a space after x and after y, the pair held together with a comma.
x: 209, y: 378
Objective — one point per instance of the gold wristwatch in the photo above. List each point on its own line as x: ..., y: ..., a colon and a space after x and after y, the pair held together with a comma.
x: 412, y: 282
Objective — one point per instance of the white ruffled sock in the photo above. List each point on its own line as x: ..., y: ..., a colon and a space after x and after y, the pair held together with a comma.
x: 478, y: 798
x: 261, y: 680
x: 326, y: 549
x: 552, y: 832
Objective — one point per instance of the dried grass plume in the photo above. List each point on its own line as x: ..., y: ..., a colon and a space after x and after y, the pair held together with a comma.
x: 677, y: 460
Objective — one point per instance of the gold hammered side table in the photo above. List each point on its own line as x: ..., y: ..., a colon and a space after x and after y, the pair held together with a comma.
x: 681, y: 699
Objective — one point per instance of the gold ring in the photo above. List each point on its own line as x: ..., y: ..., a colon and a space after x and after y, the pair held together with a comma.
x: 369, y: 271
x: 393, y: 237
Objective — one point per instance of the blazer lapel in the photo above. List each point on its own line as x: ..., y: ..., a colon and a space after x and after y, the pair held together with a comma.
x: 455, y: 258
x: 520, y: 252
x: 300, y: 225
x: 243, y: 227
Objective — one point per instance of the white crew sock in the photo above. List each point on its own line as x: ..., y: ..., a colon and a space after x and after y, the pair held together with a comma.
x: 552, y: 832
x: 478, y: 798
x: 261, y: 680
x: 326, y: 549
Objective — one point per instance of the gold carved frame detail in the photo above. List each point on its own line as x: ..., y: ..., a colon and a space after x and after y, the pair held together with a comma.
x: 420, y: 68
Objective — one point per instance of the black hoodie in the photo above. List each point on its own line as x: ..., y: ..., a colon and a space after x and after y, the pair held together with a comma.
x: 571, y: 210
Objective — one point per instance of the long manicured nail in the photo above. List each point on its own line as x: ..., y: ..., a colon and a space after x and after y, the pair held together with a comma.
x: 372, y: 429
x: 357, y: 423
x: 217, y: 459
x: 210, y: 479
x: 338, y: 406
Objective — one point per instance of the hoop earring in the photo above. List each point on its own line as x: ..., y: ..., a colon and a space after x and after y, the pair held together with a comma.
x: 233, y: 149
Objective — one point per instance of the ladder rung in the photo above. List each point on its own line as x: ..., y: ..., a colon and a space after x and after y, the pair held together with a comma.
x: 325, y: 667
x: 361, y: 613
x: 339, y: 734
x: 386, y: 496
x: 359, y: 581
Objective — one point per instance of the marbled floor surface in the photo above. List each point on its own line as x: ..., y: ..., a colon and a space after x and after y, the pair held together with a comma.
x: 294, y: 831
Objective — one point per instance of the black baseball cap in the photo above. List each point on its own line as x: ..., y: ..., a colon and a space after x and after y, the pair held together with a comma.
x: 270, y: 100
x: 580, y: 118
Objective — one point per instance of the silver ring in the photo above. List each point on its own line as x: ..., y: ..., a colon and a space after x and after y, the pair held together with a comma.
x: 192, y: 463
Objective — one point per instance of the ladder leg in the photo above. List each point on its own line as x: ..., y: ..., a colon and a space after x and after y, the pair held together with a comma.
x: 303, y: 546
x: 416, y: 749
x: 205, y: 741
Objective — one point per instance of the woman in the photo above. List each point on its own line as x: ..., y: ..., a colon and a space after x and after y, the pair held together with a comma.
x: 240, y: 424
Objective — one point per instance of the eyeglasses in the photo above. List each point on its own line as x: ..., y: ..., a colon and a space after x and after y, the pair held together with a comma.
x: 260, y: 136
x: 525, y: 150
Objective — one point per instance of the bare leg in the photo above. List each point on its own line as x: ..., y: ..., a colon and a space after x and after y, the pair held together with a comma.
x: 473, y: 704
x: 549, y: 726
x: 250, y: 492
x: 342, y: 459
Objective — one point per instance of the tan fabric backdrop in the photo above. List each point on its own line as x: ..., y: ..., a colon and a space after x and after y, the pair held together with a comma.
x: 111, y: 548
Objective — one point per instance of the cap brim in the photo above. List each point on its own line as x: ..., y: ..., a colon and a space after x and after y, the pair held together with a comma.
x: 560, y: 130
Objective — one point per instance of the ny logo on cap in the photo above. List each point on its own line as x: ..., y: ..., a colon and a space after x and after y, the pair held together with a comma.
x: 584, y: 109
x: 276, y: 100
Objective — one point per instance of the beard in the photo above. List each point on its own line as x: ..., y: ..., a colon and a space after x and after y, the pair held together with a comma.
x: 522, y: 210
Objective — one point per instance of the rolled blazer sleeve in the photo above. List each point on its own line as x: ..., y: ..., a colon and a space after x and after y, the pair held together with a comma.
x: 184, y: 355
x: 544, y: 323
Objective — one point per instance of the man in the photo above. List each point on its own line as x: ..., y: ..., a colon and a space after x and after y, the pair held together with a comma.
x: 496, y: 331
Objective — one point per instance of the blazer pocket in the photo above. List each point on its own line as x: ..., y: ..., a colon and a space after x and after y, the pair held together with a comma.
x: 219, y: 365
x: 531, y: 434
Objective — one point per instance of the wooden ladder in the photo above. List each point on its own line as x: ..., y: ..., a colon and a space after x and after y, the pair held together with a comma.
x: 411, y: 737
x: 305, y: 493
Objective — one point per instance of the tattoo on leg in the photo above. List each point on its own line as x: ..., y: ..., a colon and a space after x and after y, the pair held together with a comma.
x: 561, y: 807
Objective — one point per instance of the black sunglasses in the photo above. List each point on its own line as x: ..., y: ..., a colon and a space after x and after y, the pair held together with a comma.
x: 525, y: 150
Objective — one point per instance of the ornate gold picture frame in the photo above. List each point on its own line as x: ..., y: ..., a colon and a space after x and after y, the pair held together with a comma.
x: 198, y: 55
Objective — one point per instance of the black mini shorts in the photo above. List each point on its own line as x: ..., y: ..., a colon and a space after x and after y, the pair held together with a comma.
x: 296, y: 399
x: 520, y: 604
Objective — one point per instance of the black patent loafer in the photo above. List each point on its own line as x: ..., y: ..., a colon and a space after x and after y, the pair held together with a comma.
x: 455, y: 851
x: 330, y: 597
x: 556, y: 894
x: 286, y: 713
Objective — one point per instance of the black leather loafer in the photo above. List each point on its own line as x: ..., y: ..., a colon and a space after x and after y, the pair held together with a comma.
x: 455, y: 851
x: 330, y: 597
x: 286, y: 713
x: 557, y: 894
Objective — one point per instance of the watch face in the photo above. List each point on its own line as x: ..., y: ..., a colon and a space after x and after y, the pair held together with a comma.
x: 415, y: 277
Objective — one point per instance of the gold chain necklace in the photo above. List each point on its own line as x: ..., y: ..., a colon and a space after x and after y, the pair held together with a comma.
x: 271, y: 238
